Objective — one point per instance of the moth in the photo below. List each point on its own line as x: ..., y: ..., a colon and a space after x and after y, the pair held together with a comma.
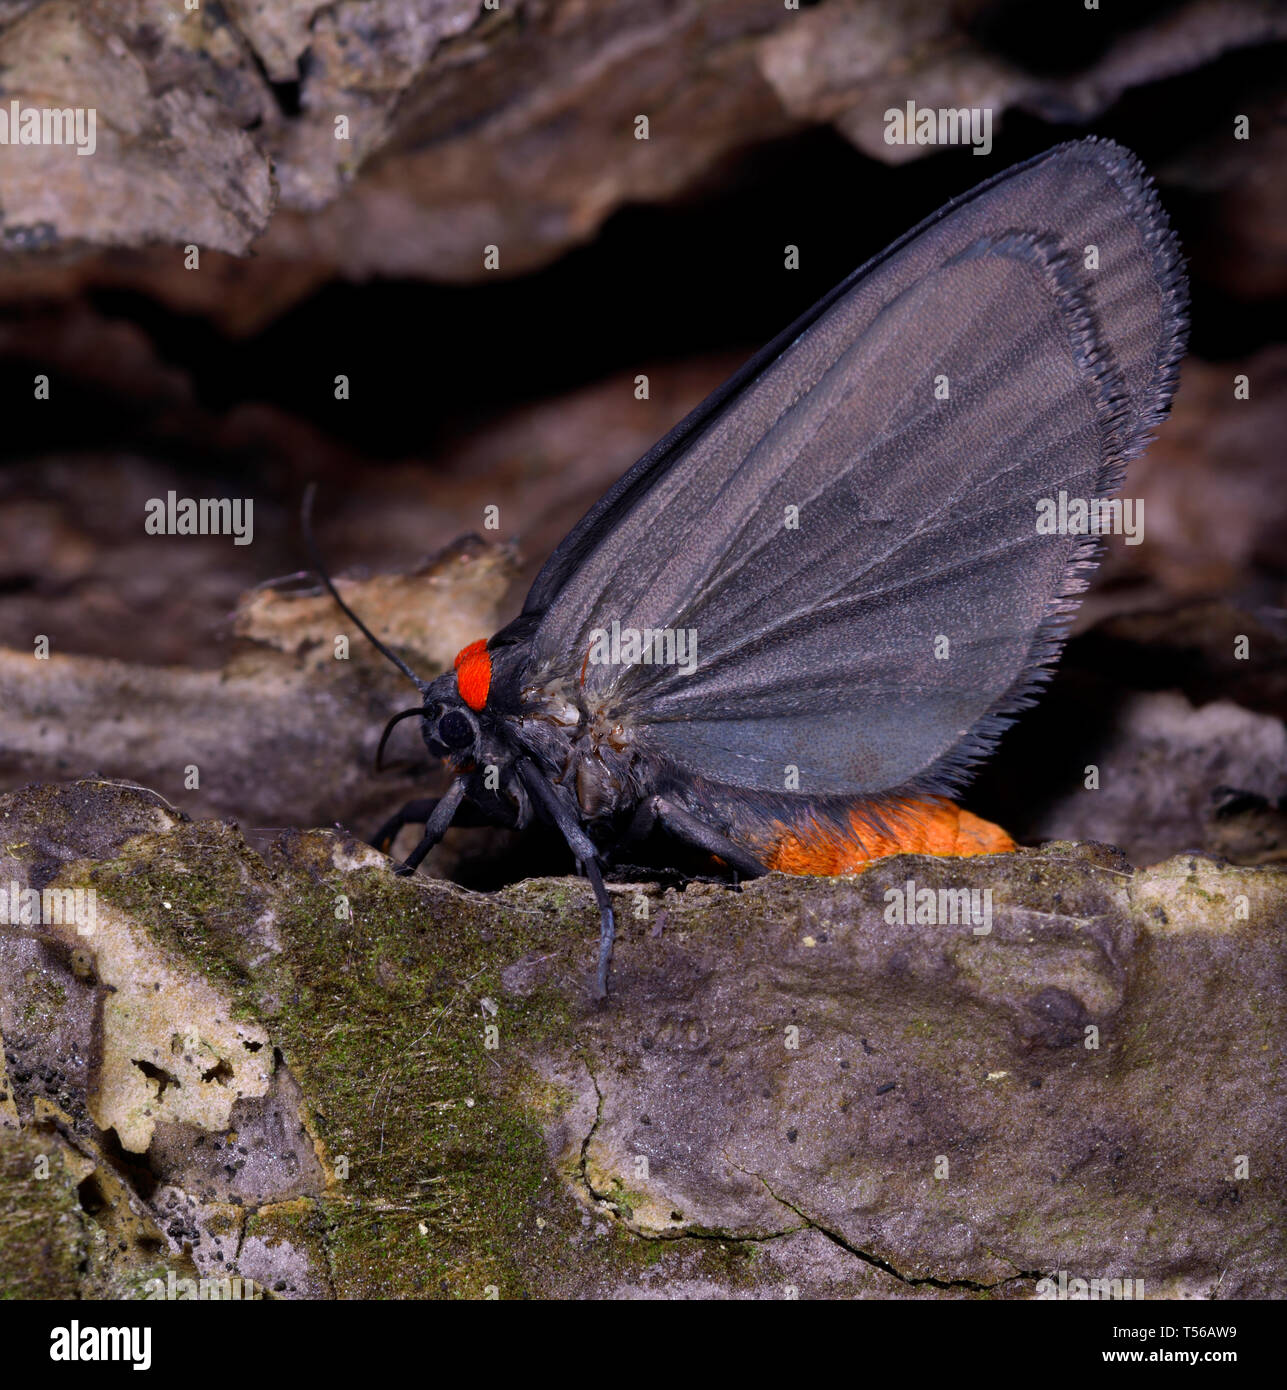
x: 791, y: 630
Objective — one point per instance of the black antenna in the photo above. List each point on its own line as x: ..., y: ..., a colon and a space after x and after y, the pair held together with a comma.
x: 306, y: 522
x: 388, y: 729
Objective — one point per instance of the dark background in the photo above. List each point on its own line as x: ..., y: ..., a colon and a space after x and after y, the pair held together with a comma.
x: 147, y: 397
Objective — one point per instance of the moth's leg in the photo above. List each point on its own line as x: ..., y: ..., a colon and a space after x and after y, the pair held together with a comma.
x: 413, y: 813
x: 643, y: 820
x: 418, y: 813
x: 686, y: 826
x: 587, y: 853
x: 436, y: 826
x: 607, y: 928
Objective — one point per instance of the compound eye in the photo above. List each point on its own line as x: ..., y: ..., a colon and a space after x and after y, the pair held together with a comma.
x: 454, y: 730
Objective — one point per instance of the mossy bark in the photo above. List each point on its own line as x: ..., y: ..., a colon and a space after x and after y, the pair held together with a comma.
x: 790, y: 1092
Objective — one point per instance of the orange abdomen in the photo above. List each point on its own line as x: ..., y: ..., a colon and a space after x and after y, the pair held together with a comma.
x: 930, y: 826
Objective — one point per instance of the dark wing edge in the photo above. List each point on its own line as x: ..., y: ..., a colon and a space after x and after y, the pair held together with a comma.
x: 1141, y: 198
x: 1131, y: 429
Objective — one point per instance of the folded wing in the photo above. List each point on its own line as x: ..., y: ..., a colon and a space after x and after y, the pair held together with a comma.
x: 850, y: 526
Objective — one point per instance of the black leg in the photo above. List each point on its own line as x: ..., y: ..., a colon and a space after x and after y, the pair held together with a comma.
x: 587, y: 854
x: 685, y: 826
x: 413, y: 813
x: 564, y: 817
x: 469, y: 816
x: 437, y: 825
x: 607, y: 928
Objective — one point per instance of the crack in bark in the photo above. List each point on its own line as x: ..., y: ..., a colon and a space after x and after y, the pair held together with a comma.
x: 590, y: 1133
x: 809, y: 1223
x: 882, y: 1264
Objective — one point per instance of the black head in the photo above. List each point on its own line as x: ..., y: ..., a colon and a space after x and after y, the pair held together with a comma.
x: 449, y: 727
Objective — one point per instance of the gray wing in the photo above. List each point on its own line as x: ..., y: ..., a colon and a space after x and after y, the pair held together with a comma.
x: 852, y: 534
